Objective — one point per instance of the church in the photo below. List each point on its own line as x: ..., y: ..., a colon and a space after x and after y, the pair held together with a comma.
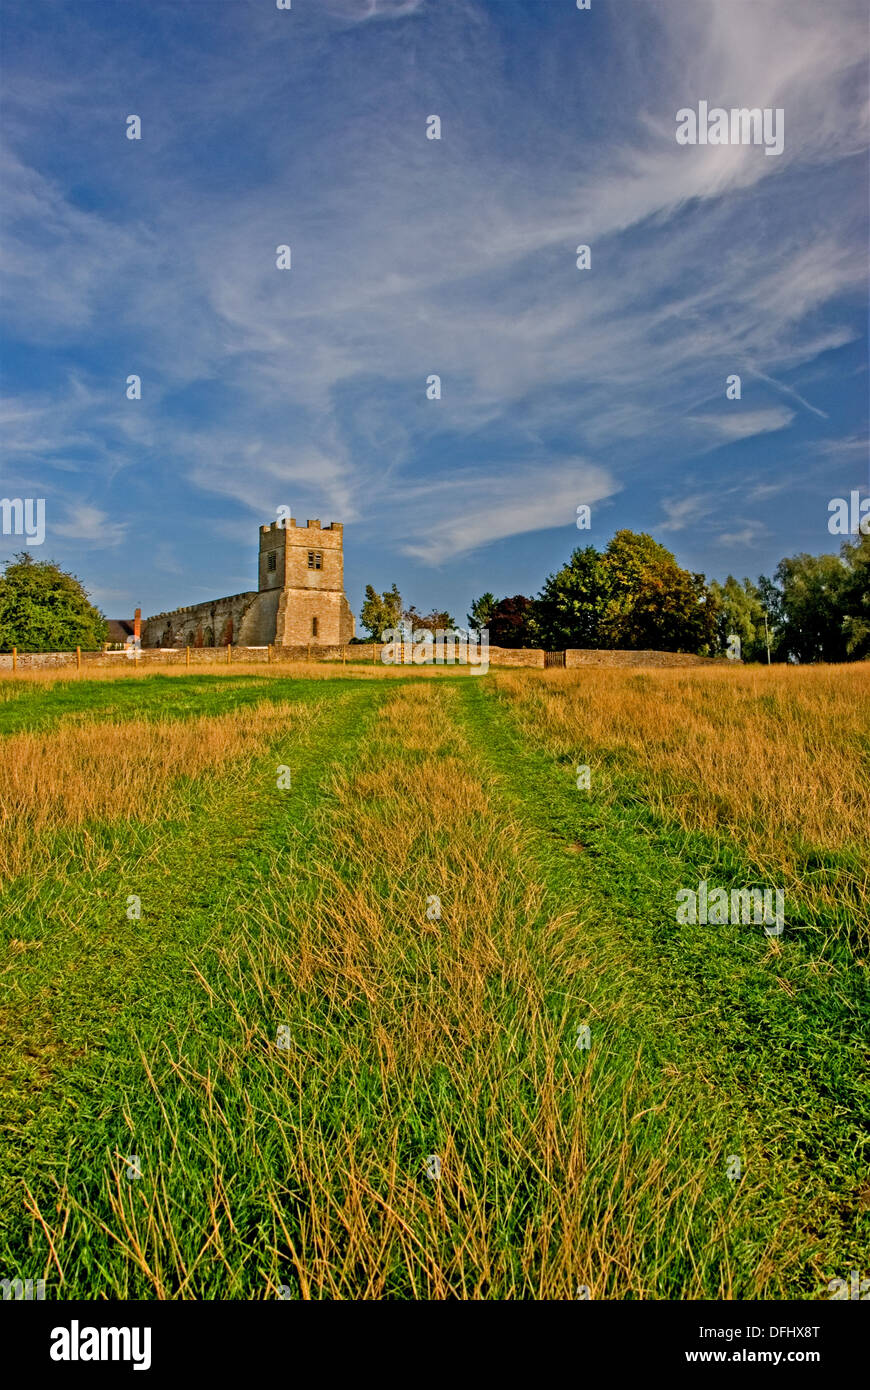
x: 299, y: 600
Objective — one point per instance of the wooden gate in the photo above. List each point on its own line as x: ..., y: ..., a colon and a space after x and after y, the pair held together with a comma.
x: 554, y: 658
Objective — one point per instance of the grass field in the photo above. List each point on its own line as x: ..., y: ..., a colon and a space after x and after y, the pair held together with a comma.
x: 242, y: 1092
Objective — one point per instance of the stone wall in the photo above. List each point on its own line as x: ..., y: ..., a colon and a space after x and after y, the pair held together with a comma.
x: 579, y: 656
x: 368, y: 652
x: 516, y: 656
x: 212, y: 624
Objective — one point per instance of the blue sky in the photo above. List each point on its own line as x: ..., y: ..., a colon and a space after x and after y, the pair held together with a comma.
x: 410, y: 256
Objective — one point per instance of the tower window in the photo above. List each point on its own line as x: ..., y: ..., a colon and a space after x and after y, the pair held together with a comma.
x: 271, y: 560
x: 313, y: 627
x: 315, y: 560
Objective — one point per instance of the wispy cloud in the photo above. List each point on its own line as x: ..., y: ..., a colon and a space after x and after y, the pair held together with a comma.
x: 734, y: 423
x: 463, y: 513
x: 91, y: 527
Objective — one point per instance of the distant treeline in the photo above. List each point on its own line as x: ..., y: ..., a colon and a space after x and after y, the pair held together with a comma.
x: 634, y: 596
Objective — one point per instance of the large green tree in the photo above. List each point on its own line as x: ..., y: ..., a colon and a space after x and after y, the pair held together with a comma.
x: 381, y: 611
x: 740, y: 611
x: 652, y: 601
x: 569, y: 608
x: 44, y: 609
x: 631, y: 596
x: 820, y: 605
x: 809, y: 594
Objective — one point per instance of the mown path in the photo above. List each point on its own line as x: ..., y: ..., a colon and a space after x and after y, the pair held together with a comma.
x: 735, y: 1019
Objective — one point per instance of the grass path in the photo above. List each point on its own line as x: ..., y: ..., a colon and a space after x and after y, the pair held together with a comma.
x: 732, y: 1021
x: 391, y: 962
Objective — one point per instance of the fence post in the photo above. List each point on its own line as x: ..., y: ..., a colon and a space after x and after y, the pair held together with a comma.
x: 229, y: 653
x: 344, y: 656
x: 78, y: 658
x: 15, y: 658
x: 309, y: 651
x: 269, y: 655
x: 374, y: 651
x: 187, y: 655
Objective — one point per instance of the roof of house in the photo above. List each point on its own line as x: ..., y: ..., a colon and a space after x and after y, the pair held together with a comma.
x: 119, y: 629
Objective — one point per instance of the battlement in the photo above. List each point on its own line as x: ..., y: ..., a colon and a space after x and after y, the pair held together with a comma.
x: 197, y: 607
x: 271, y: 528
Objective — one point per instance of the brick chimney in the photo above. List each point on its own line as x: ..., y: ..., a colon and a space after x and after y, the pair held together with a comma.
x: 137, y: 623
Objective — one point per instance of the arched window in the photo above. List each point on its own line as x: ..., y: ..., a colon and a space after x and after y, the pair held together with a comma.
x: 208, y: 637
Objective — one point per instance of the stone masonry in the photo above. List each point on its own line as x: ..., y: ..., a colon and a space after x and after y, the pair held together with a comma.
x: 300, y: 598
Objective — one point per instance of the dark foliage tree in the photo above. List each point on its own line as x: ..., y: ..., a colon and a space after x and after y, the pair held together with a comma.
x: 432, y: 622
x: 509, y: 624
x: 569, y: 609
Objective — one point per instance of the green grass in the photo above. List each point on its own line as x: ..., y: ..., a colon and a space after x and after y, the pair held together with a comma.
x: 25, y: 706
x: 303, y: 1167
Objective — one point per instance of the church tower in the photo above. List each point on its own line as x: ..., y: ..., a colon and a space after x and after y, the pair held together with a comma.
x: 306, y: 566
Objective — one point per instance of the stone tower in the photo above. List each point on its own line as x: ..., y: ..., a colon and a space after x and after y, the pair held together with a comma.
x: 299, y: 599
x: 304, y: 569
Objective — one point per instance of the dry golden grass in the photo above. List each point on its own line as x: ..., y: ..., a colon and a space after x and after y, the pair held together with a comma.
x: 115, y: 771
x: 778, y: 757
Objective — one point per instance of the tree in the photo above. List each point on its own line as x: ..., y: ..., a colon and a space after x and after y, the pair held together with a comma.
x: 856, y: 598
x: 509, y: 624
x: 432, y: 622
x: 634, y: 595
x: 380, y: 612
x: 479, y: 615
x: 569, y: 608
x: 741, y: 611
x: 771, y: 602
x: 651, y: 601
x: 44, y: 609
x: 819, y: 605
x: 811, y: 597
